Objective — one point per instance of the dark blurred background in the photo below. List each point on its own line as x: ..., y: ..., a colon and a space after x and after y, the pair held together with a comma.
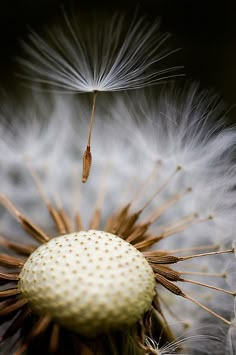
x: 204, y: 30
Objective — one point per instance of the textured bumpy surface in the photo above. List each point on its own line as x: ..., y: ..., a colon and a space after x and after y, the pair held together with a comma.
x: 96, y: 279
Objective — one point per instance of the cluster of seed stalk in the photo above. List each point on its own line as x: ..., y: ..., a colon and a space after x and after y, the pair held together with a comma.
x: 97, y: 280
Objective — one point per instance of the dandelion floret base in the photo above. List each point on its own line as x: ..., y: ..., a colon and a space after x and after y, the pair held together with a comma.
x: 89, y: 282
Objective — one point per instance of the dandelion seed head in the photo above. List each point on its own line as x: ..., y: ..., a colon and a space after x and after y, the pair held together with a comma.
x: 162, y: 186
x: 97, y: 280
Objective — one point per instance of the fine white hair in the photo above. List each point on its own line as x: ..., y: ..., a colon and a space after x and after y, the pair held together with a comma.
x: 178, y: 133
x: 108, y: 55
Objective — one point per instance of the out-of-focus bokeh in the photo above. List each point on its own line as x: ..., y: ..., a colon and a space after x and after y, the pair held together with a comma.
x: 204, y: 30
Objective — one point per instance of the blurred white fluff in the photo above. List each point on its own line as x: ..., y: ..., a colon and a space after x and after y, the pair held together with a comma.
x: 107, y: 55
x: 133, y: 133
x: 231, y: 339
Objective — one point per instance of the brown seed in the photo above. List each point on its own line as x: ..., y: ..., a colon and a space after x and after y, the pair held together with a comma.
x: 87, y: 161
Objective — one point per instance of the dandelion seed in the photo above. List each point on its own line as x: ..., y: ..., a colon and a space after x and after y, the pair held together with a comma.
x: 176, y: 347
x: 107, y: 57
x: 113, y: 288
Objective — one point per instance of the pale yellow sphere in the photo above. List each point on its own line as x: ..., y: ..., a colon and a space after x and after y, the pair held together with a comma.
x: 89, y: 282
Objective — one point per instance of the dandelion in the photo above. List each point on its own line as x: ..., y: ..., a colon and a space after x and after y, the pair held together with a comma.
x: 136, y: 254
x: 107, y: 56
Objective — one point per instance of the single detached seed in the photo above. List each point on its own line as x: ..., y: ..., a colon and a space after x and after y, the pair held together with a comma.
x: 88, y: 292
